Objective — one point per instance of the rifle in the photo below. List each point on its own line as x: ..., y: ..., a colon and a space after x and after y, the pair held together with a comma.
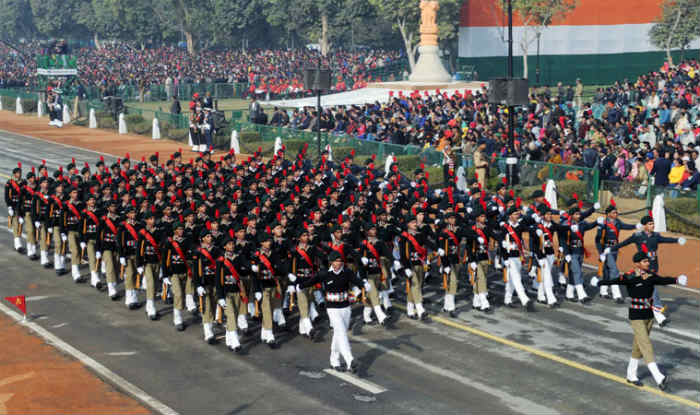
x: 601, y: 266
x: 201, y: 306
x: 257, y: 308
x: 470, y: 271
x: 291, y: 301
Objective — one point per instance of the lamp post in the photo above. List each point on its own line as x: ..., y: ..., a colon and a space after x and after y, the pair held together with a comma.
x: 511, y: 158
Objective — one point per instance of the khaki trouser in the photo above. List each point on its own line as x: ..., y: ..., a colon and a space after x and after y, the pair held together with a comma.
x: 74, y: 245
x: 246, y: 286
x: 189, y: 285
x: 452, y: 280
x: 110, y: 260
x: 150, y: 272
x: 29, y: 228
x: 130, y: 273
x: 14, y: 224
x: 415, y: 290
x: 177, y: 285
x: 44, y: 240
x: 479, y: 282
x: 233, y: 305
x: 641, y: 347
x: 375, y: 281
x: 94, y: 267
x: 386, y: 270
x: 266, y: 307
x: 208, y: 304
x: 304, y: 301
x: 58, y: 245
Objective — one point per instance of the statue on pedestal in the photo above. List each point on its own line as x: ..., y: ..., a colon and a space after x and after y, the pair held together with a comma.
x: 429, y: 67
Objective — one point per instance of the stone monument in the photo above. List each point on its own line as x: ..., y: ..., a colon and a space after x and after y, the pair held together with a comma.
x: 429, y: 67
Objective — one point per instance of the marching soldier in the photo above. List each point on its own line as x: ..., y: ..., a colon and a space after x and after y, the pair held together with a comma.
x: 56, y: 216
x: 513, y: 253
x: 640, y: 283
x: 72, y: 219
x: 176, y: 270
x: 230, y: 292
x: 28, y: 191
x: 108, y: 247
x: 40, y: 217
x: 13, y: 201
x: 607, y: 236
x: 372, y: 251
x: 542, y: 236
x: 148, y: 259
x: 303, y: 263
x: 336, y: 284
x: 478, y: 237
x: 205, y: 281
x: 647, y: 242
x: 128, y: 242
x: 89, y: 228
x: 449, y: 241
x: 414, y: 253
x: 574, y: 252
x: 266, y: 270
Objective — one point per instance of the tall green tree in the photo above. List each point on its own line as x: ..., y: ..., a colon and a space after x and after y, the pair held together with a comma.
x: 15, y: 20
x: 56, y: 18
x: 677, y: 26
x: 536, y: 16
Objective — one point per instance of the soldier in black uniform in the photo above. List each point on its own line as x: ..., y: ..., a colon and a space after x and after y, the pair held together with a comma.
x: 13, y: 201
x: 267, y: 272
x: 89, y: 227
x: 303, y: 262
x: 478, y: 237
x: 148, y: 260
x: 371, y: 253
x: 336, y: 285
x: 176, y: 270
x: 72, y: 219
x: 607, y: 236
x: 40, y: 217
x: 449, y: 249
x: 230, y: 292
x: 107, y: 247
x: 640, y: 283
x: 28, y: 191
x: 55, y: 227
x: 128, y: 239
x: 205, y: 281
x: 413, y: 249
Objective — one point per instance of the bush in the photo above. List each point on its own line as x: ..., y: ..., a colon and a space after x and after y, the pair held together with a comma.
x: 144, y: 127
x: 29, y: 105
x: 107, y: 123
x: 83, y: 122
x: 177, y: 134
x: 248, y: 136
x: 133, y: 119
x: 8, y: 103
x: 673, y: 224
x: 682, y: 206
x: 567, y: 188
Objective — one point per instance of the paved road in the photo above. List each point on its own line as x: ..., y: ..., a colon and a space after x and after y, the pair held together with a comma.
x: 569, y: 360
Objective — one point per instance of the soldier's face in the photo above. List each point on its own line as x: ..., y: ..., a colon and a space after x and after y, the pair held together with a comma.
x: 337, y: 264
x: 649, y: 227
x: 612, y: 215
x: 644, y: 264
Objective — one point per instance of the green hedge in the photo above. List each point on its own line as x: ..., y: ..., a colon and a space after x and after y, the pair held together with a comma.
x: 682, y: 205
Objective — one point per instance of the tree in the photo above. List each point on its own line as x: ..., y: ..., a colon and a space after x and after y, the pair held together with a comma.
x: 677, y: 26
x: 55, y: 17
x: 536, y: 15
x: 15, y: 20
x: 192, y: 17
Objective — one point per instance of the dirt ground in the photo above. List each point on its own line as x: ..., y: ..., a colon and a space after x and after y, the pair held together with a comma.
x: 35, y: 378
x: 105, y: 141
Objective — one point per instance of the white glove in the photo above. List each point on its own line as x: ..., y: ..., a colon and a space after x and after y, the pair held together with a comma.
x: 533, y: 272
x: 408, y: 273
x: 10, y: 212
x: 437, y: 221
x: 541, y: 262
x: 291, y: 289
x: 473, y: 266
x: 397, y: 265
x: 568, y: 258
x: 562, y: 279
x: 469, y: 210
x: 50, y: 229
x: 594, y: 281
x: 201, y: 291
x: 602, y: 257
x: 600, y: 220
x: 83, y: 245
x: 524, y: 210
x: 539, y: 232
x: 37, y: 224
x: 536, y: 217
x: 500, y: 209
x: 682, y: 241
x: 166, y: 281
x: 682, y: 280
x: 254, y: 268
x: 561, y: 249
x: 368, y: 286
x: 574, y: 228
x: 441, y: 252
x: 222, y: 303
x: 639, y: 226
x: 21, y: 220
x: 64, y: 237
x: 447, y: 270
x: 364, y: 260
x: 139, y: 270
x: 292, y: 277
x: 606, y: 251
x: 122, y: 261
x: 596, y: 206
x: 98, y: 255
x: 480, y: 240
x: 258, y: 296
x: 562, y: 213
x: 356, y: 292
x: 505, y: 244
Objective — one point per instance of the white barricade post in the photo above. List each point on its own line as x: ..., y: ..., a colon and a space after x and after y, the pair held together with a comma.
x: 156, y: 130
x: 550, y: 194
x: 122, y: 124
x: 66, y: 114
x: 39, y: 108
x: 235, y: 145
x: 658, y: 211
x: 93, y: 119
x: 18, y: 106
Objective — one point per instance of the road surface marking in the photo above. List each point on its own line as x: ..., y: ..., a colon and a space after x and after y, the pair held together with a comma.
x: 91, y: 363
x: 38, y: 297
x: 57, y: 326
x: 121, y: 353
x: 360, y: 383
x: 555, y: 358
x: 56, y: 143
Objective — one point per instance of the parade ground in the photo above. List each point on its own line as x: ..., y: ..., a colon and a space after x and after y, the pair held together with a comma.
x: 79, y: 352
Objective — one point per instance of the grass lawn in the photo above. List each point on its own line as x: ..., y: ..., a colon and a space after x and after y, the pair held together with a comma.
x: 224, y: 105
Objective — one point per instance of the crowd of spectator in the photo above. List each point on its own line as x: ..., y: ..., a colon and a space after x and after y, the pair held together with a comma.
x: 630, y: 130
x: 273, y: 72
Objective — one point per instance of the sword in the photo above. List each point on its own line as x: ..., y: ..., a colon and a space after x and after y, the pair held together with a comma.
x: 257, y: 308
x: 201, y: 306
